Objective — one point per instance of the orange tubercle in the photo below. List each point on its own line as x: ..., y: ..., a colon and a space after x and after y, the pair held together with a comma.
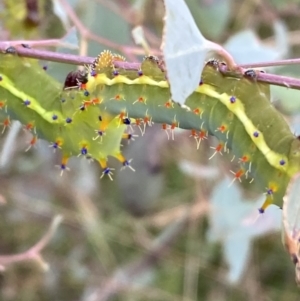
x: 244, y: 159
x: 29, y: 126
x: 140, y: 99
x: 118, y: 97
x: 198, y: 111
x: 2, y: 104
x: 6, y: 123
x: 218, y: 149
x: 202, y: 134
x: 169, y: 104
x: 237, y: 175
x: 222, y: 128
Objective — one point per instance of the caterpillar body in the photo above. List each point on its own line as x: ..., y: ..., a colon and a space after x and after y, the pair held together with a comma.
x: 28, y: 94
x: 91, y: 119
x: 237, y: 111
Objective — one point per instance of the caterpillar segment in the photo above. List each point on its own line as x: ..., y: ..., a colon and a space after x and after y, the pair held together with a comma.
x: 235, y: 110
x: 66, y: 118
x: 91, y: 118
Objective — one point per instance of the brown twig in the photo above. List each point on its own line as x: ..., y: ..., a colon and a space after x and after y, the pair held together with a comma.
x: 34, y: 253
x: 49, y: 55
x: 272, y: 79
x: 272, y: 64
x: 33, y: 43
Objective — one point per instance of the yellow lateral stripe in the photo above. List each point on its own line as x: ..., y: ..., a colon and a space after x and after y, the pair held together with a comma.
x: 239, y: 110
x: 7, y: 84
x: 102, y: 79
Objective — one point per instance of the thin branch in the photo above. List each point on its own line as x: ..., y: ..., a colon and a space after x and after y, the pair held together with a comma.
x: 33, y: 43
x: 49, y: 55
x: 272, y: 64
x: 34, y: 253
x: 62, y: 42
x: 273, y: 79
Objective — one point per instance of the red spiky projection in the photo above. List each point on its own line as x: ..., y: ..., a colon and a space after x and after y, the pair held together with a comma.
x: 98, y: 106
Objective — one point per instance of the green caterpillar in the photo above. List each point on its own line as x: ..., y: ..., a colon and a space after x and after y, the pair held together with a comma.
x: 91, y: 118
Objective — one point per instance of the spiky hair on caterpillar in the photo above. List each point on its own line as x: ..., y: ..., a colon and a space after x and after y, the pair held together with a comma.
x: 69, y: 119
x: 90, y: 116
x: 235, y: 110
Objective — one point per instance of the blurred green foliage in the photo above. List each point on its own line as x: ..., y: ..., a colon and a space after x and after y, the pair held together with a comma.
x: 143, y: 236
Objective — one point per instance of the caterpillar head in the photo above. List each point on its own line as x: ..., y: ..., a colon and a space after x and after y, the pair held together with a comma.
x: 75, y: 79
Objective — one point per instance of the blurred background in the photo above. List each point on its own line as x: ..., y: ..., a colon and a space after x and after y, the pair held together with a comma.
x: 172, y: 230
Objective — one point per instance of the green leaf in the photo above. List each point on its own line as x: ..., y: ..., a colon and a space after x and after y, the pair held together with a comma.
x: 291, y: 207
x: 236, y: 222
x: 246, y: 47
x: 291, y: 222
x: 208, y: 12
x: 184, y: 49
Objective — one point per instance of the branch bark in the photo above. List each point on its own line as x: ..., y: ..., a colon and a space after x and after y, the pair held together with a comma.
x: 272, y: 79
x: 34, y: 253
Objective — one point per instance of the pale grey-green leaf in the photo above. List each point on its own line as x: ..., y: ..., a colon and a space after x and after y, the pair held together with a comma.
x: 184, y: 49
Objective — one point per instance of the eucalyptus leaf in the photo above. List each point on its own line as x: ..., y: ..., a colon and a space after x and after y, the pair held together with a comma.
x: 208, y: 12
x: 291, y: 207
x: 235, y: 222
x: 184, y: 49
x: 291, y: 223
x: 247, y: 48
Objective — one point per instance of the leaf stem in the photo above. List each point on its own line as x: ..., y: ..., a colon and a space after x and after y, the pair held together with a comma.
x: 225, y: 55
